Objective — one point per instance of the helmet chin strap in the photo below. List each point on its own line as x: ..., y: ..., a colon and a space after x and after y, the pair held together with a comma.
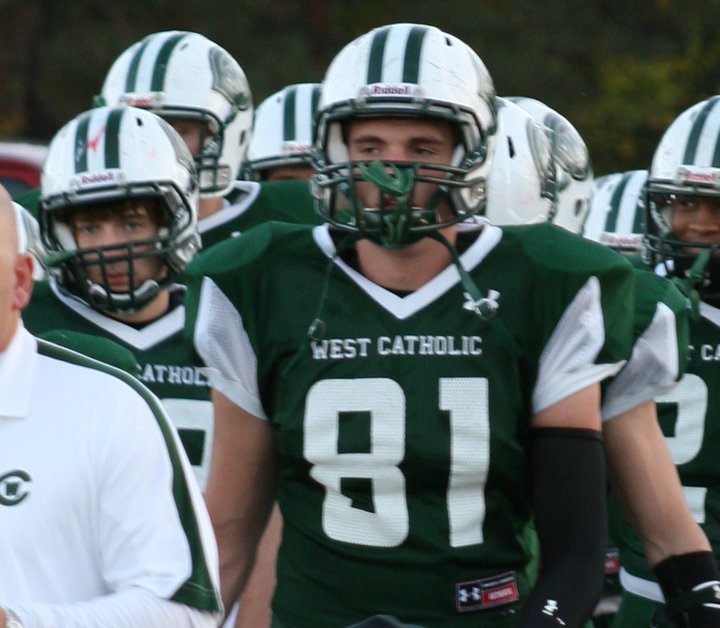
x: 484, y: 307
x: 694, y: 277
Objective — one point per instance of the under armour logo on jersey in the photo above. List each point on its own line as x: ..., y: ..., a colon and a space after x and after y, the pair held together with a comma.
x: 12, y: 490
x: 466, y: 596
x: 486, y: 307
x: 496, y: 591
x: 550, y: 608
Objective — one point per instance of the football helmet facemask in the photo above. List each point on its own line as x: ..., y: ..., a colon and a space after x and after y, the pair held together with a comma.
x: 404, y: 71
x: 107, y: 156
x: 185, y: 76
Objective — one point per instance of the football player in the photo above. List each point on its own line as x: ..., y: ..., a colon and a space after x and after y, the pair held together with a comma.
x: 421, y: 385
x: 282, y: 134
x: 118, y: 219
x: 199, y: 88
x: 682, y: 223
x: 640, y: 468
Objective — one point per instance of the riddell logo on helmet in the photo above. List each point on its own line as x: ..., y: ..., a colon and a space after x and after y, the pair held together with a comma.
x: 296, y: 147
x: 143, y: 101
x: 387, y: 89
x: 699, y: 176
x: 97, y: 178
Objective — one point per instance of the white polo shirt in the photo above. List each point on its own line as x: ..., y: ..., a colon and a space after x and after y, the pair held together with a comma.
x: 96, y: 494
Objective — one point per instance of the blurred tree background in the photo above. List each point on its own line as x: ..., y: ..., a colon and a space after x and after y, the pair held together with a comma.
x: 619, y: 70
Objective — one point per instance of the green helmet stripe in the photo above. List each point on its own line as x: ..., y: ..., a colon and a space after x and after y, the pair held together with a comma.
x: 112, y: 132
x: 131, y: 77
x: 315, y: 99
x: 161, y: 62
x: 615, y: 202
x: 715, y: 163
x: 411, y: 63
x: 289, y: 131
x: 639, y: 221
x: 694, y: 137
x: 377, y: 52
x: 81, y: 141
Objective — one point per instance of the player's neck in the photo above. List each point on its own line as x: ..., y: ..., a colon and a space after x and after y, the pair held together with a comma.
x: 154, y: 310
x: 209, y: 206
x: 407, y: 268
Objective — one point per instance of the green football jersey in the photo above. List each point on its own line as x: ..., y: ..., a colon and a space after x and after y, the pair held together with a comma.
x: 165, y: 363
x: 403, y: 422
x: 660, y: 353
x: 251, y: 203
x: 690, y: 418
x: 659, y: 359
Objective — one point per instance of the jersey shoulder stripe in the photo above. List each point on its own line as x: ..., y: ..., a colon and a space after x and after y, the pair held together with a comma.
x: 198, y: 590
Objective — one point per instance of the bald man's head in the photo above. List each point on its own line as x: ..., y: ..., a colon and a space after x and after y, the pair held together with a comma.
x: 8, y: 223
x: 16, y: 273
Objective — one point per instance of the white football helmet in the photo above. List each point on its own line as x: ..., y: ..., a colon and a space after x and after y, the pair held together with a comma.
x: 686, y: 162
x: 404, y: 70
x: 183, y: 75
x: 107, y: 155
x: 283, y: 129
x: 574, y: 169
x: 29, y: 241
x: 522, y: 183
x: 617, y: 211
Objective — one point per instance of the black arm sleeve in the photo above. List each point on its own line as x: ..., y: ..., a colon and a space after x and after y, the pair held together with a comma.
x: 569, y: 497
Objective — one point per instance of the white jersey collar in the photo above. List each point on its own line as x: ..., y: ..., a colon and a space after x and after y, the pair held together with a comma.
x: 404, y: 307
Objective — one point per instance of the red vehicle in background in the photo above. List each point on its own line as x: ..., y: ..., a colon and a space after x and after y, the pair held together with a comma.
x: 20, y: 166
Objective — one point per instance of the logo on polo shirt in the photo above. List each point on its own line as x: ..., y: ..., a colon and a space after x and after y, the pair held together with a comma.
x: 13, y: 487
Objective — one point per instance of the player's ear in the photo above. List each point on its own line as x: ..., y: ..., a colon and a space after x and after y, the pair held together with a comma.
x: 23, y: 280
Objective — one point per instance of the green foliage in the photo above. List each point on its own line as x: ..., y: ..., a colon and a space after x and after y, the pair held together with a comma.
x: 620, y: 71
